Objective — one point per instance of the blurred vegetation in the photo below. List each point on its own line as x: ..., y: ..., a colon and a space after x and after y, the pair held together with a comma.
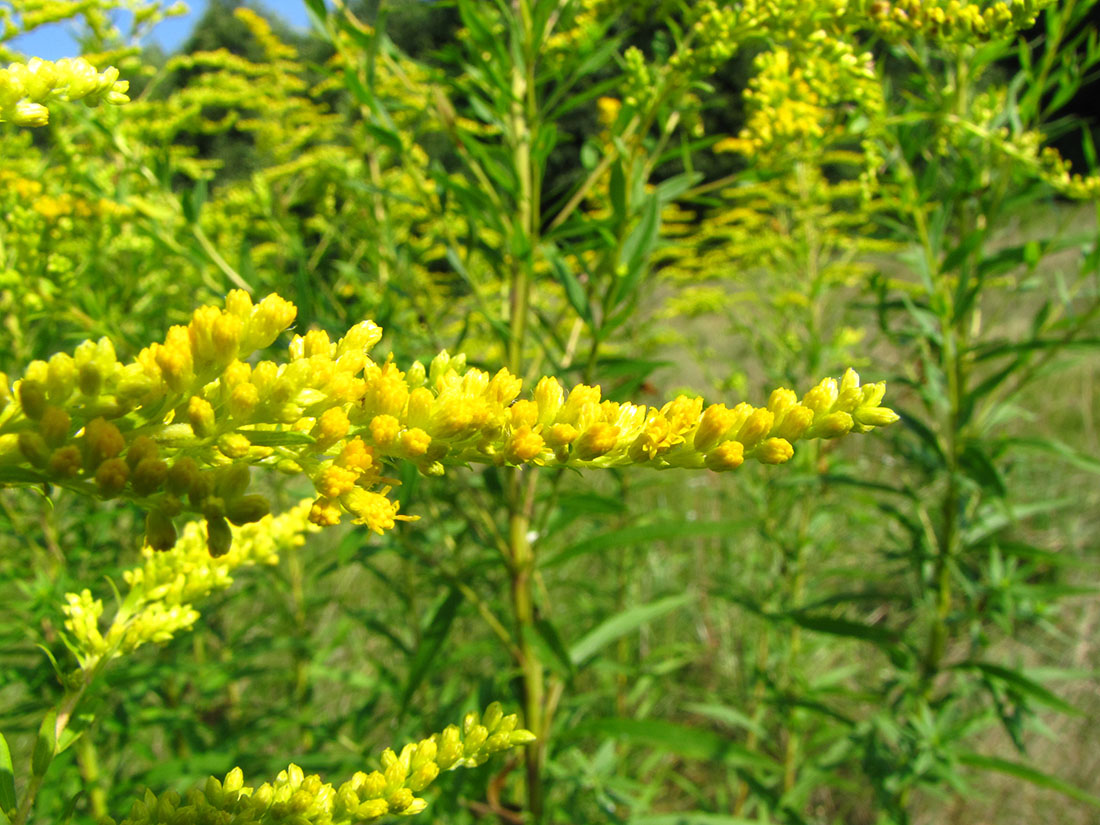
x: 713, y: 198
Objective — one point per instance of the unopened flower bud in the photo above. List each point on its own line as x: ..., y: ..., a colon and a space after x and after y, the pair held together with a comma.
x: 89, y: 379
x: 416, y: 375
x: 243, y: 400
x: 141, y: 448
x: 219, y: 536
x: 234, y: 445
x: 181, y: 475
x: 32, y: 397
x: 561, y: 435
x: 148, y: 476
x: 523, y: 445
x: 247, y: 509
x: 597, y: 440
x: 832, y: 425
x: 54, y: 426
x: 60, y: 377
x: 874, y: 416
x: 200, y: 415
x: 331, y: 426
x: 102, y: 440
x: 774, y: 451
x: 549, y: 396
x: 821, y: 398
x: 756, y: 426
x: 372, y: 809
x: 160, y: 533
x: 729, y: 455
x: 714, y: 424
x: 232, y: 481
x: 794, y: 424
x: 66, y: 462
x: 110, y: 477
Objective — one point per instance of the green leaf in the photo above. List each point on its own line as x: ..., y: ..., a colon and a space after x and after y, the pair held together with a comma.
x: 843, y: 627
x: 45, y: 746
x: 623, y: 623
x: 636, y: 249
x: 1028, y: 774
x: 318, y: 11
x: 727, y: 716
x: 980, y: 467
x: 617, y: 188
x: 552, y: 641
x: 278, y: 438
x: 689, y: 742
x: 192, y: 201
x: 7, y: 777
x: 644, y: 534
x: 1021, y: 684
x: 563, y: 274
x: 387, y: 137
x: 1051, y: 446
x: 431, y: 642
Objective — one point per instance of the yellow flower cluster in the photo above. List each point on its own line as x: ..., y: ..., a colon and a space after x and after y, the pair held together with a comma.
x: 297, y: 798
x: 164, y: 589
x: 800, y: 102
x: 27, y: 88
x: 177, y: 429
x: 953, y: 21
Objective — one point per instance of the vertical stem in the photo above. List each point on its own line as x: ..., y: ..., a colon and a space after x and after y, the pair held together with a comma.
x: 954, y: 331
x: 521, y: 491
x: 523, y: 564
x: 88, y: 760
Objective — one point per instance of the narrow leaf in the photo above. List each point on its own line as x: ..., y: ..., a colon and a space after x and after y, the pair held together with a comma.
x: 1028, y: 774
x: 7, y: 777
x: 1022, y: 684
x: 623, y: 623
x: 45, y: 746
x: 843, y: 627
x: 430, y: 643
x: 689, y: 742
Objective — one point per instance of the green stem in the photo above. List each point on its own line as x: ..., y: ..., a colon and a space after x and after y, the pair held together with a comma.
x: 523, y: 121
x: 88, y: 760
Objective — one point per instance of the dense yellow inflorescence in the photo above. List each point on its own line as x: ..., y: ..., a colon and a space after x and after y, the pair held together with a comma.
x: 26, y: 89
x: 177, y: 429
x: 164, y: 589
x: 301, y: 799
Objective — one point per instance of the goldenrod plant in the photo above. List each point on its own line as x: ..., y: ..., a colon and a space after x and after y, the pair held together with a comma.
x: 177, y: 429
x: 542, y: 198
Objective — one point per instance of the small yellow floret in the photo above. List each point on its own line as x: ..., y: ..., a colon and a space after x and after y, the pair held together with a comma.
x: 332, y: 425
x: 729, y: 455
x: 415, y: 442
x: 523, y: 445
x: 597, y: 440
x: 384, y: 430
x: 334, y: 481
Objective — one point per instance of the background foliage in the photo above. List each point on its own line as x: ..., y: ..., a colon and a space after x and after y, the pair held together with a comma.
x: 718, y: 198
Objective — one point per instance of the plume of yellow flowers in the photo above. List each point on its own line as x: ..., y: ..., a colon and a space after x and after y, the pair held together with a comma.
x: 26, y: 89
x: 164, y: 589
x: 297, y: 798
x: 177, y: 429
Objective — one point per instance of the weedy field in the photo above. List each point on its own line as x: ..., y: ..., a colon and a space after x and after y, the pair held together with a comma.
x: 669, y: 413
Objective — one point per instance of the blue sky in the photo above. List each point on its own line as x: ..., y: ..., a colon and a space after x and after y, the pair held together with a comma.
x: 55, y: 41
